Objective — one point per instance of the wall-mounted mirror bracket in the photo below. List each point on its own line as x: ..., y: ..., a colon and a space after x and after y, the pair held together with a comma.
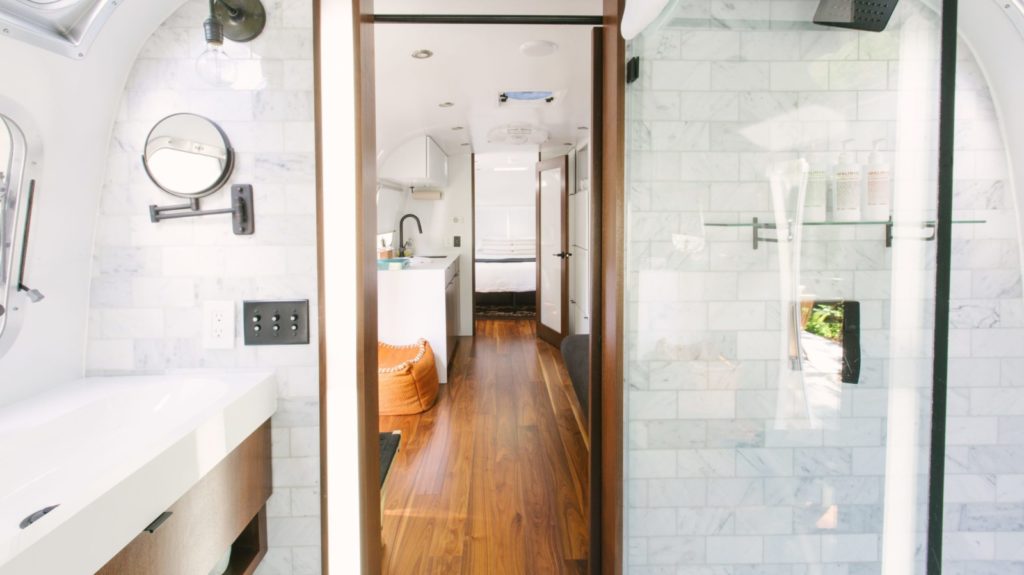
x: 242, y: 215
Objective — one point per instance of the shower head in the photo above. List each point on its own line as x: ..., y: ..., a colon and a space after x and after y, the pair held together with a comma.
x: 867, y: 15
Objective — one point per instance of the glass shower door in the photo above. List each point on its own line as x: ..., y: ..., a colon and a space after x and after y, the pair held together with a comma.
x: 781, y: 188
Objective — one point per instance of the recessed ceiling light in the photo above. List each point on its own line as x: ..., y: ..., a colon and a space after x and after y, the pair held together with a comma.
x: 538, y: 48
x: 456, y: 128
x: 422, y: 54
x: 446, y: 104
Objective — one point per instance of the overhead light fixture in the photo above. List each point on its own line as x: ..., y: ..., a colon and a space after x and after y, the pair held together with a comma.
x: 538, y: 48
x: 446, y: 104
x: 236, y: 20
x: 422, y: 54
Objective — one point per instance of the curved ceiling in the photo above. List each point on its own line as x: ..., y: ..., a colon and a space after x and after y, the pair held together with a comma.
x: 470, y: 67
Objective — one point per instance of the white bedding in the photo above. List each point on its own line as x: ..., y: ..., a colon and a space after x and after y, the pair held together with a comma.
x: 515, y: 276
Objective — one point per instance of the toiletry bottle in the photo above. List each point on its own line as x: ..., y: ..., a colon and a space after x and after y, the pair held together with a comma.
x: 815, y: 199
x: 878, y: 186
x: 847, y: 180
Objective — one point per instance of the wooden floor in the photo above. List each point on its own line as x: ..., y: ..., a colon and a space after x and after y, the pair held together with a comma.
x: 493, y: 479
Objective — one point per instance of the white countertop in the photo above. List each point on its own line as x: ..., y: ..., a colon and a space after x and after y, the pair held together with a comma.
x: 419, y: 263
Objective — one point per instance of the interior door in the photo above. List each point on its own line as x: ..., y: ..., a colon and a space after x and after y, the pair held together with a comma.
x: 553, y: 249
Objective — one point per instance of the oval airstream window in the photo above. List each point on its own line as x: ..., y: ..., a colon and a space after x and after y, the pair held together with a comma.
x: 188, y: 156
x: 12, y: 206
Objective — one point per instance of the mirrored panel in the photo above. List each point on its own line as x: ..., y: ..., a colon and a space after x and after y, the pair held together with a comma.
x: 188, y: 156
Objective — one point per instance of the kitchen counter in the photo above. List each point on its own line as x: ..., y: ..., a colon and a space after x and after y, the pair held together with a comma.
x: 423, y: 263
x: 421, y: 301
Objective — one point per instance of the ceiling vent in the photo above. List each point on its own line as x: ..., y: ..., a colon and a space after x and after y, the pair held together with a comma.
x: 67, y: 27
x: 529, y: 98
x: 517, y: 134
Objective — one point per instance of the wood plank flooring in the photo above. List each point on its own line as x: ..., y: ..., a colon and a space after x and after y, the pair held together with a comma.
x: 493, y: 479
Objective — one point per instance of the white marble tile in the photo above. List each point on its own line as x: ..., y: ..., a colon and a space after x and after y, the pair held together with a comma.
x: 706, y: 463
x: 764, y: 462
x: 710, y: 45
x: 680, y: 75
x: 675, y: 550
x: 799, y: 76
x: 792, y: 549
x: 764, y: 520
x: 293, y: 531
x: 706, y: 106
x: 306, y: 560
x: 849, y: 548
x: 740, y: 76
x: 652, y: 521
x: 305, y: 502
x: 706, y: 405
x: 735, y: 549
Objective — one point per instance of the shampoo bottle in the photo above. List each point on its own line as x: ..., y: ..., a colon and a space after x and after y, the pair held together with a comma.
x: 815, y: 200
x: 847, y: 180
x: 878, y: 186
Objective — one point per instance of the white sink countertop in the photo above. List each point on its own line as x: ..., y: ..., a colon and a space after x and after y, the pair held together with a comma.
x: 421, y: 263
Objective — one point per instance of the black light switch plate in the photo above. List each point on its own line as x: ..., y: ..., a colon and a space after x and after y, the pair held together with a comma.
x: 275, y: 322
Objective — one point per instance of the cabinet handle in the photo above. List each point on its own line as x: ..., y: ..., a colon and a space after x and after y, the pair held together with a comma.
x: 152, y: 527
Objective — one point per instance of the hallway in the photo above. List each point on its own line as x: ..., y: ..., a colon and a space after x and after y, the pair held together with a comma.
x: 493, y: 479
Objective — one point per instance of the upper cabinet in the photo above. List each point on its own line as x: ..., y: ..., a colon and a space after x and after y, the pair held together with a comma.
x: 418, y: 163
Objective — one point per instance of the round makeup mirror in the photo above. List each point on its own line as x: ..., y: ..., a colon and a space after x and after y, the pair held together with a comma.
x: 188, y: 156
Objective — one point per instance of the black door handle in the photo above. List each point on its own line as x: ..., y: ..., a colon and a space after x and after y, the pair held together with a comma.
x: 563, y: 255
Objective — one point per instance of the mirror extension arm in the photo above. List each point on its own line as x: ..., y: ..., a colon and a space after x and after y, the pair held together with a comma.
x: 243, y: 221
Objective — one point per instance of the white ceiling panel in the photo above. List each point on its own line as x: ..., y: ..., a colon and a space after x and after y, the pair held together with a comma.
x: 470, y: 67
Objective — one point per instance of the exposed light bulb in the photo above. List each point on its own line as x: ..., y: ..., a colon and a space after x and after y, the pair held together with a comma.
x: 215, y: 67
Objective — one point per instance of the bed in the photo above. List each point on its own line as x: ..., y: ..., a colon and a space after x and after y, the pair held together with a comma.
x: 506, y: 274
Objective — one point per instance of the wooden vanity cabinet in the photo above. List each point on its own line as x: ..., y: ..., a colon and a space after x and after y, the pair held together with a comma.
x: 225, y: 508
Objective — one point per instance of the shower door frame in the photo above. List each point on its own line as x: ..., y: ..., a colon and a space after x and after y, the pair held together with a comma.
x: 607, y: 319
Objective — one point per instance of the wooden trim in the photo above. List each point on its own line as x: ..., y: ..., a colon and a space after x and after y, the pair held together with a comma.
x: 365, y: 306
x: 611, y: 267
x: 596, y: 397
x: 607, y: 237
x: 366, y: 272
x: 546, y: 333
x: 320, y: 287
x: 472, y: 247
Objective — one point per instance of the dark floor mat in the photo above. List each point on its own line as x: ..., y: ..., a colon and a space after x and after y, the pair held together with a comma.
x: 389, y: 441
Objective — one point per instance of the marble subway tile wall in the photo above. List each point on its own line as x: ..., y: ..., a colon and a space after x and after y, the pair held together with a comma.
x: 714, y: 484
x: 150, y: 280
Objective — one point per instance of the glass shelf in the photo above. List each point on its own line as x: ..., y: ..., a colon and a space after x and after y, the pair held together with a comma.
x: 890, y: 228
x: 926, y: 223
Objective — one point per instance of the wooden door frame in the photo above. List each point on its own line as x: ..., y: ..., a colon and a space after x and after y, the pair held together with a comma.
x: 607, y: 284
x: 544, y: 332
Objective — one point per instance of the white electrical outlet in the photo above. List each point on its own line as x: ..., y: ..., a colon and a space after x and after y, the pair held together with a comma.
x: 218, y: 324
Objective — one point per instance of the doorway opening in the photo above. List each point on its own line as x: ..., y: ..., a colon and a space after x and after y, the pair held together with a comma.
x: 477, y: 183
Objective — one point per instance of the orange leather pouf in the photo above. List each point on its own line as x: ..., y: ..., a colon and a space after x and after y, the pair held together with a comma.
x: 407, y: 378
